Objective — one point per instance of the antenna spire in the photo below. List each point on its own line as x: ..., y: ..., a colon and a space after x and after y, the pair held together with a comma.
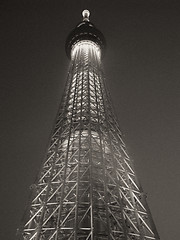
x: 86, y: 14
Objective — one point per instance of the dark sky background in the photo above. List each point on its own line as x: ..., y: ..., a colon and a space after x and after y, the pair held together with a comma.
x: 142, y: 66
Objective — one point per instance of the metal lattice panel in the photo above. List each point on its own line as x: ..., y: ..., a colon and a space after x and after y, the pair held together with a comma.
x: 87, y: 187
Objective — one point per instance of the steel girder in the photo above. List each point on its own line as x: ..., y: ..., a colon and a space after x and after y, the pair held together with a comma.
x: 87, y: 187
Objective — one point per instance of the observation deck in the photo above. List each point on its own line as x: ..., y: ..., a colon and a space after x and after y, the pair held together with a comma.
x: 85, y: 30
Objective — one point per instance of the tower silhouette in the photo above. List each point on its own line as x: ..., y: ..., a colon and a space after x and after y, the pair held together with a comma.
x: 87, y: 188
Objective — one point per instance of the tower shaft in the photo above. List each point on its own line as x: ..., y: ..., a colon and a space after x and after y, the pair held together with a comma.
x: 87, y: 188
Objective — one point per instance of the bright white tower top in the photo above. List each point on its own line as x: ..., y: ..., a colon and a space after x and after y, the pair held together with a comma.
x: 86, y: 14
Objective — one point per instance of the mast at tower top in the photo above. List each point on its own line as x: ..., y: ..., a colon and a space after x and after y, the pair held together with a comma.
x: 86, y: 14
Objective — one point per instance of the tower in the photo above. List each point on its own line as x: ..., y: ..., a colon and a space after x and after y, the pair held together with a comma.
x: 87, y: 188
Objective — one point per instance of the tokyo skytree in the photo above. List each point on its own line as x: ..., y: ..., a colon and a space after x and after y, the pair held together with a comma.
x: 87, y: 188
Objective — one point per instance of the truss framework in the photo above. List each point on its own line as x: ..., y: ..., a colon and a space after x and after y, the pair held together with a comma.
x: 87, y: 188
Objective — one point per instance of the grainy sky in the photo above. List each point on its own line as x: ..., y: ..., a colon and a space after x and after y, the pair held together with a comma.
x: 143, y: 76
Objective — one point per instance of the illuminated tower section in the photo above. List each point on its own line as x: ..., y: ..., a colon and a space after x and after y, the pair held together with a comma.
x: 87, y: 188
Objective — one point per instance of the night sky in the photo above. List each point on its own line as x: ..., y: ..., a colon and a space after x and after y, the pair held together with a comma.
x: 142, y: 67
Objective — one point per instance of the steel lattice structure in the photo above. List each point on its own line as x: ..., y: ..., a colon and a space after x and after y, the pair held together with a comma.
x: 87, y: 187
